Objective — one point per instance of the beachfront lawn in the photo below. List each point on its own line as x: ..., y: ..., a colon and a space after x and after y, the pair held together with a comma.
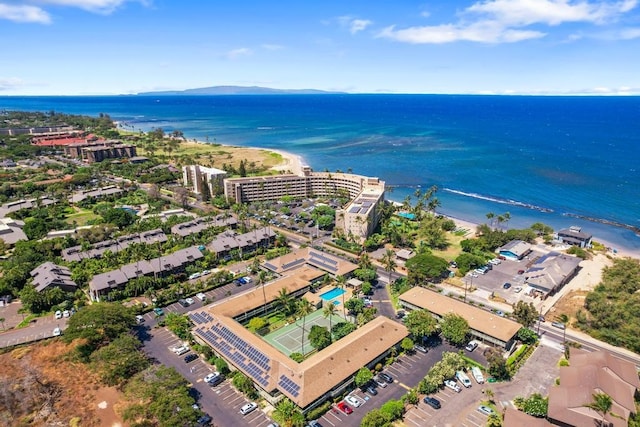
x: 454, y: 249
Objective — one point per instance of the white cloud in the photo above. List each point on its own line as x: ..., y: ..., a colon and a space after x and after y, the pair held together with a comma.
x: 504, y: 21
x: 96, y: 6
x: 268, y: 46
x: 10, y: 84
x: 354, y: 25
x: 24, y: 13
x: 237, y: 53
x: 480, y: 32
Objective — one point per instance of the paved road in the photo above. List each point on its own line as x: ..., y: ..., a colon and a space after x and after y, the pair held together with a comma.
x: 39, y: 329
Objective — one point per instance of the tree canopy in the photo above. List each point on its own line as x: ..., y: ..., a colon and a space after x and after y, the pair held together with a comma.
x: 424, y: 268
x: 420, y: 323
x: 454, y: 328
x: 319, y: 337
x: 99, y: 323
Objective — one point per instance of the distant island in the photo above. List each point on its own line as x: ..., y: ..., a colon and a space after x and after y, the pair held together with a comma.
x: 239, y: 90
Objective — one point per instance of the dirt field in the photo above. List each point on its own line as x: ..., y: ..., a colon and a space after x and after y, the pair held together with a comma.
x: 41, y: 387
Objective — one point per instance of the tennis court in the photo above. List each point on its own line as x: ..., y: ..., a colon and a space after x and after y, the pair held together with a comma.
x: 287, y: 339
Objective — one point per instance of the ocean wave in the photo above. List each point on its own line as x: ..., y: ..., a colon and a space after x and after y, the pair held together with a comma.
x: 500, y: 200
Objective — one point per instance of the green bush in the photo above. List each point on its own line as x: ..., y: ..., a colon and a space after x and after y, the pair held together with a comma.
x: 319, y: 411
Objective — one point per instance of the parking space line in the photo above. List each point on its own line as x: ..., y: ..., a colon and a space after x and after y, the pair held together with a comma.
x: 327, y: 420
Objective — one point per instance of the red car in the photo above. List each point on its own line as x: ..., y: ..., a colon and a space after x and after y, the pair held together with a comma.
x: 345, y: 408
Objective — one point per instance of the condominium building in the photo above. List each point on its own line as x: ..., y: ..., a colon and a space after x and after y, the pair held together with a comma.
x: 196, y: 176
x: 359, y: 218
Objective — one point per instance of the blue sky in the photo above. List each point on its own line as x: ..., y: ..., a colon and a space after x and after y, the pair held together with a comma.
x: 78, y: 47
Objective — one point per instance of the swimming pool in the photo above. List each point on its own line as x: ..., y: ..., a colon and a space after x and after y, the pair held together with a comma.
x: 333, y: 293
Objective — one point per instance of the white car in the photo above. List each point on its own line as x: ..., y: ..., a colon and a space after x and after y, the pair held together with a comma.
x: 195, y: 276
x: 180, y: 350
x: 201, y: 296
x: 452, y: 385
x: 248, y: 408
x: 463, y: 378
x: 356, y: 402
x: 66, y: 313
x: 190, y: 301
x: 212, y: 378
x: 58, y: 314
x: 57, y: 332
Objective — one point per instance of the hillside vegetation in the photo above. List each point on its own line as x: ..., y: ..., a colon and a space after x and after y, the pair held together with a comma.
x: 613, y: 308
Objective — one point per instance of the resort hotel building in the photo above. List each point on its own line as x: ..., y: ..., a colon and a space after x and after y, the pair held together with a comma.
x: 358, y: 218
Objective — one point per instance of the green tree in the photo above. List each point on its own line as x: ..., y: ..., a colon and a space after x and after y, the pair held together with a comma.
x: 288, y: 414
x: 525, y: 313
x: 329, y: 311
x: 304, y: 308
x: 497, y: 365
x: 375, y: 418
x: 119, y: 360
x: 285, y: 302
x: 363, y: 376
x: 494, y: 420
x: 407, y: 344
x: 161, y: 397
x: 355, y: 306
x: 389, y: 262
x: 179, y: 324
x: 535, y: 405
x: 257, y: 323
x: 99, y: 324
x: 342, y: 329
x: 244, y: 384
x: 298, y: 357
x: 420, y: 323
x: 392, y: 409
x: 424, y: 268
x: 527, y: 336
x: 366, y: 288
x: 602, y: 404
x: 454, y: 328
x: 319, y: 337
x: 221, y: 366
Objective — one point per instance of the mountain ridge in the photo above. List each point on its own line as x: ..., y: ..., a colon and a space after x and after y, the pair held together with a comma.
x: 238, y: 90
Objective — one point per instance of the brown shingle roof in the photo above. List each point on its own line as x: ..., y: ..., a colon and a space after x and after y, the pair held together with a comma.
x: 589, y: 373
x: 515, y: 418
x: 321, y: 372
x: 480, y: 320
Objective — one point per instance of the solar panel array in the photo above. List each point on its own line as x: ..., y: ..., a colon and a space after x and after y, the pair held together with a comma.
x: 245, y: 356
x: 289, y: 386
x: 270, y: 266
x: 354, y: 209
x: 320, y: 260
x: 200, y: 317
x: 293, y: 263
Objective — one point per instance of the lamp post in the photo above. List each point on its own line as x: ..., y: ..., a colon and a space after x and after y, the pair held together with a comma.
x: 540, y: 318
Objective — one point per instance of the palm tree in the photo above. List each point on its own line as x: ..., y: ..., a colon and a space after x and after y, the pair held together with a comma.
x: 507, y: 217
x: 490, y: 217
x: 328, y: 311
x: 262, y: 278
x: 602, y: 404
x: 284, y: 300
x: 341, y: 281
x: 388, y: 260
x: 564, y: 319
x: 304, y: 308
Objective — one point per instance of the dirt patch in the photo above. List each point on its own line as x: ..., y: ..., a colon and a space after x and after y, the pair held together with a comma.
x: 569, y: 304
x: 43, y: 387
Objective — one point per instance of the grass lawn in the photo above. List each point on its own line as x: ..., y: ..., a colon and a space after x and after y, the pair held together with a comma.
x: 81, y: 217
x: 454, y: 248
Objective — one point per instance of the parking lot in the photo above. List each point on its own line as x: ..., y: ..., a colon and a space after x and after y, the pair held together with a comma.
x: 506, y: 272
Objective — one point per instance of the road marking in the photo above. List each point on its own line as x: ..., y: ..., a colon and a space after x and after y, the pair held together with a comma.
x: 404, y: 385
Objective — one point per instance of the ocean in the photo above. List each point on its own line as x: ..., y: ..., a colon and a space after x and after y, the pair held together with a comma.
x: 558, y: 160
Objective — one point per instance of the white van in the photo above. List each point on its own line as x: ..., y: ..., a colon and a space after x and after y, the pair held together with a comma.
x: 477, y: 375
x: 463, y: 378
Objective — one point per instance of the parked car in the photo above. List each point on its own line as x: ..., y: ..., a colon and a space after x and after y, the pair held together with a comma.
x: 558, y: 325
x: 386, y: 377
x: 507, y: 285
x: 66, y: 313
x: 190, y: 357
x: 345, y: 408
x: 249, y: 407
x: 471, y: 346
x: 432, y: 401
x: 273, y: 424
x: 500, y: 313
x: 541, y: 319
x: 195, y: 276
x: 139, y: 319
x: 189, y: 301
x: 57, y: 332
x: 421, y: 348
x: 370, y: 389
x: 463, y: 378
x: 380, y: 382
x: 313, y: 423
x: 353, y: 400
x: 477, y: 374
x: 201, y: 296
x: 485, y: 410
x: 158, y: 311
x: 214, y: 378
x: 183, y: 302
x: 452, y: 385
x: 204, y: 420
x: 180, y: 350
x: 58, y: 314
x: 517, y: 289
